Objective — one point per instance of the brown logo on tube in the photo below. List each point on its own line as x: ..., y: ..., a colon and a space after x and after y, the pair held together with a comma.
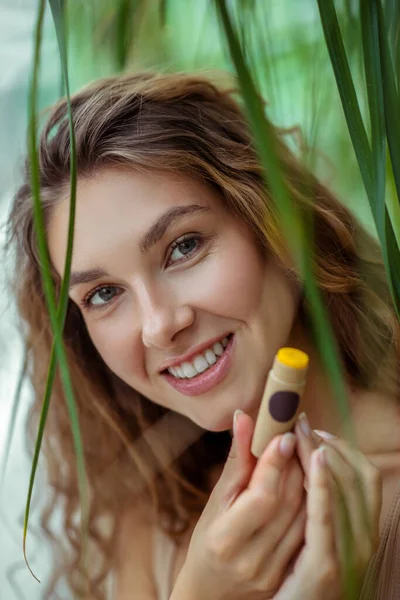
x: 281, y: 399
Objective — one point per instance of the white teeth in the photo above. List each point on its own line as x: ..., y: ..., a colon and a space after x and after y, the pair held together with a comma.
x: 180, y: 372
x: 218, y: 349
x: 189, y: 370
x: 210, y: 357
x: 200, y: 364
x: 176, y: 372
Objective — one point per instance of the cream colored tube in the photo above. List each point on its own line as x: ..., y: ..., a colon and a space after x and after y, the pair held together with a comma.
x: 281, y: 399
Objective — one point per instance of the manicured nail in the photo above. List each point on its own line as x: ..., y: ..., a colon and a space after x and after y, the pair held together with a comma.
x: 304, y: 424
x: 235, y: 416
x: 325, y: 435
x: 321, y: 456
x: 287, y: 444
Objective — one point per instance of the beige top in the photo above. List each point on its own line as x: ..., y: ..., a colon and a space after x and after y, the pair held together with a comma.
x: 382, y: 581
x: 164, y: 551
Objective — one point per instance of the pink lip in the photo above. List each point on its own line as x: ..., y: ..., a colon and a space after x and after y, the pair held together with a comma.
x: 203, y: 382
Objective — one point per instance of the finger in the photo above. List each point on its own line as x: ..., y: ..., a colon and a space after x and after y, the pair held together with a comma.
x: 353, y: 519
x: 287, y: 550
x: 271, y: 565
x: 290, y: 501
x: 255, y: 506
x: 239, y: 464
x: 307, y: 442
x: 267, y: 474
x: 276, y: 519
x: 369, y: 481
x: 319, y: 527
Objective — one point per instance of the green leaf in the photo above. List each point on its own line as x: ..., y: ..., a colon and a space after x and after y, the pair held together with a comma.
x: 39, y: 438
x: 294, y: 229
x: 35, y: 189
x: 373, y: 78
x: 57, y: 314
x: 392, y: 21
x: 124, y: 24
x: 163, y: 12
x: 391, y: 100
x: 371, y: 178
x: 347, y: 90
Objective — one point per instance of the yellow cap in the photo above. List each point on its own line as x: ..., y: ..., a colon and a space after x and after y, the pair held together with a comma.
x: 291, y: 357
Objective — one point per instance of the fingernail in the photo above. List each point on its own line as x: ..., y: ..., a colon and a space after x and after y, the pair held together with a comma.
x: 325, y: 435
x: 287, y: 444
x: 235, y: 415
x: 304, y: 424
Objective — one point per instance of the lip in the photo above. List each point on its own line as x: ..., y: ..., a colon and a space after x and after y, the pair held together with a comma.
x: 189, y: 355
x: 203, y: 382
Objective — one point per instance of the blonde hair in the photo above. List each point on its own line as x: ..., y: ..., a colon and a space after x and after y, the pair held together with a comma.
x: 182, y: 123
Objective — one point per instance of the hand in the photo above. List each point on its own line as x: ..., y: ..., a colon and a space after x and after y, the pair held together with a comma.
x: 342, y: 529
x: 252, y: 525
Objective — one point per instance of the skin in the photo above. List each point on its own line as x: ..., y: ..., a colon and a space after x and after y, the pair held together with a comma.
x: 164, y: 311
x: 160, y: 304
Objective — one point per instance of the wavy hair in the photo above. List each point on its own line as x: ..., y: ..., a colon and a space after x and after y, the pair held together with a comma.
x: 188, y: 124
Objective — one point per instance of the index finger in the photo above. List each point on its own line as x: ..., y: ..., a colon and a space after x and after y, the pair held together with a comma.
x: 368, y: 476
x: 267, y: 474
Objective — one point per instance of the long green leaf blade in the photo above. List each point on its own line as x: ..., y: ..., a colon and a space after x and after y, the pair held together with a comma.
x: 291, y: 222
x: 57, y: 315
x: 373, y: 78
x: 391, y: 99
x: 347, y: 90
x: 355, y: 124
x: 39, y: 438
x: 58, y: 12
x: 35, y: 189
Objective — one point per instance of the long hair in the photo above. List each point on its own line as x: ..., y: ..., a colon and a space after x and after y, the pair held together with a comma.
x: 187, y: 124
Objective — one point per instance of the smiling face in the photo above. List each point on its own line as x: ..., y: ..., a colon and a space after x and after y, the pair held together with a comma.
x: 171, y: 284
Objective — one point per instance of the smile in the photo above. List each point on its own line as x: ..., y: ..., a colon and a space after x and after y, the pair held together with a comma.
x: 201, y: 362
x: 204, y: 371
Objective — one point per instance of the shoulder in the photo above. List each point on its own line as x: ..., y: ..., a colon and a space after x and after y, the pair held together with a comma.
x: 134, y: 556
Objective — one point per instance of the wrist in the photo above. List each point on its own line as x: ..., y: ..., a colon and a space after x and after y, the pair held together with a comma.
x: 183, y: 589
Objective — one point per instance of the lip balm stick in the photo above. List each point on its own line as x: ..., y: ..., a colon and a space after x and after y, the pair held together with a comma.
x: 282, y: 394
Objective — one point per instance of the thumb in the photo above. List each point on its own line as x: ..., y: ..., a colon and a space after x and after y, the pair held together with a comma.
x: 240, y: 463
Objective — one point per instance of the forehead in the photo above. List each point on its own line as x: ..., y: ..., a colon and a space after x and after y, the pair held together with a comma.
x: 117, y: 205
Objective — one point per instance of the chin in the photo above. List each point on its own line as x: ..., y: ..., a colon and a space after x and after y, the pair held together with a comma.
x: 225, y: 424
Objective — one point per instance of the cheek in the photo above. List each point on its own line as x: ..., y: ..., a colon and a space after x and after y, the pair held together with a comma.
x: 232, y: 285
x: 115, y: 342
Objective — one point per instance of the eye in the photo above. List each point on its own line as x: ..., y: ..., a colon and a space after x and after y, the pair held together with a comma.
x: 184, y: 248
x: 101, y: 296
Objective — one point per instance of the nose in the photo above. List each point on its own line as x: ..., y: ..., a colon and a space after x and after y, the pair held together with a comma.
x: 163, y: 318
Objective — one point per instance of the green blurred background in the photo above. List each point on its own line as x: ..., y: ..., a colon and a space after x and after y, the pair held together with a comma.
x: 288, y: 55
x: 284, y: 46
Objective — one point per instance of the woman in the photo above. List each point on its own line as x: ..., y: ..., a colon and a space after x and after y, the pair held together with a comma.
x: 182, y: 291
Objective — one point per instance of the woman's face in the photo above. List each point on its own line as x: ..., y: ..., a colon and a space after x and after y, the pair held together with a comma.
x: 176, y: 296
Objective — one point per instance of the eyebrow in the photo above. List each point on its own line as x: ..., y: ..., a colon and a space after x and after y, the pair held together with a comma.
x: 79, y: 277
x: 152, y: 236
x: 158, y: 229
